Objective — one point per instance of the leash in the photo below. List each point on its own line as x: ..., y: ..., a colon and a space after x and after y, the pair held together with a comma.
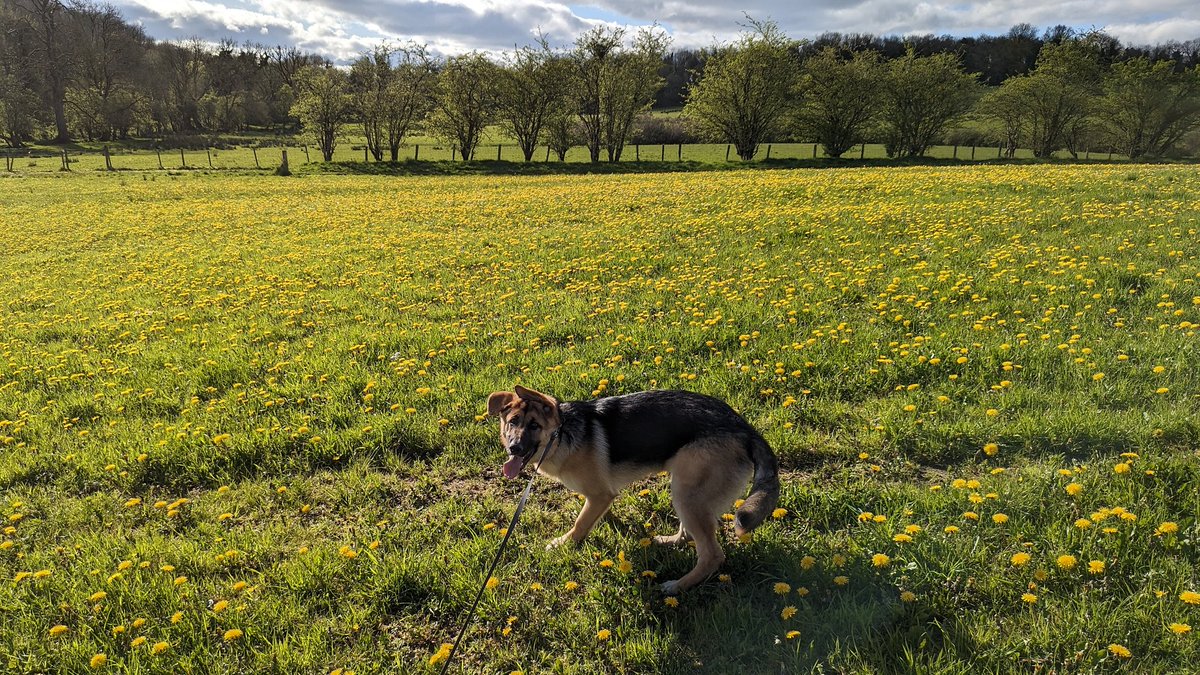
x: 512, y: 525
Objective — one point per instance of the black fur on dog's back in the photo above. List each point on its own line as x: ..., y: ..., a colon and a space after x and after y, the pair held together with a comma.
x: 648, y: 428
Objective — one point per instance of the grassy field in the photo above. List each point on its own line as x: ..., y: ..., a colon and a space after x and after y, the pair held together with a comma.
x: 241, y: 418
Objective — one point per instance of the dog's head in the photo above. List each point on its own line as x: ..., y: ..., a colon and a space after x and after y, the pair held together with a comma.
x: 527, y: 420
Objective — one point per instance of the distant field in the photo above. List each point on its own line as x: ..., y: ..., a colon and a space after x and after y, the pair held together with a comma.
x: 241, y: 417
x: 90, y: 158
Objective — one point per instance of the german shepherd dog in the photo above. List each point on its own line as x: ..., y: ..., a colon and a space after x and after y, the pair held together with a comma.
x: 601, y: 446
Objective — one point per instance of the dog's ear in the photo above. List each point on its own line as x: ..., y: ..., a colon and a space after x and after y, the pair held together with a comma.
x: 500, y: 400
x: 537, y: 396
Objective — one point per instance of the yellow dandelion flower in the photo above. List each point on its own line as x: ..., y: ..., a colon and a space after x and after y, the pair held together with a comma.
x: 908, y: 596
x: 442, y: 654
x: 1096, y: 567
x: 160, y: 647
x: 807, y: 562
x: 1066, y: 561
x: 841, y: 580
x: 1180, y: 628
x: 1000, y: 518
x: 233, y: 634
x: 1019, y: 559
x: 902, y: 538
x: 219, y: 606
x: 57, y: 630
x: 792, y: 634
x: 1074, y: 489
x: 603, y: 634
x: 1190, y: 597
x: 724, y: 578
x: 990, y: 449
x: 787, y: 612
x: 951, y: 529
x: 98, y: 661
x: 778, y: 513
x: 1119, y: 651
x: 138, y: 641
x: 671, y: 601
x: 880, y: 560
x: 97, y: 596
x: 491, y: 583
x: 570, y: 585
x: 1028, y: 598
x: 782, y: 588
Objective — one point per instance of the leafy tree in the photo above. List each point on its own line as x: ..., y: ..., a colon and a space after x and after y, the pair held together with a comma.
x: 1057, y: 97
x: 611, y: 84
x: 838, y: 98
x: 323, y: 104
x: 1004, y: 106
x: 531, y: 87
x: 921, y: 96
x: 746, y: 91
x: 464, y: 101
x: 562, y: 132
x: 50, y: 50
x: 1148, y: 107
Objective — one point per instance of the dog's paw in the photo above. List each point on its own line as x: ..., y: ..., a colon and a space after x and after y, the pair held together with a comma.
x: 668, y: 540
x: 557, y: 541
x: 670, y: 587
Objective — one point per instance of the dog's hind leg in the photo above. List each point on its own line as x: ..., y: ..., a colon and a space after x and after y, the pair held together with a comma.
x: 594, y: 506
x: 680, y: 537
x: 697, y: 520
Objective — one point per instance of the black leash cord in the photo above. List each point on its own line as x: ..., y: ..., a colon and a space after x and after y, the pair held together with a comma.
x: 499, y: 552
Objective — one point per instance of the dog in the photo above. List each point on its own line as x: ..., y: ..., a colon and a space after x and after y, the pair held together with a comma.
x: 598, y: 447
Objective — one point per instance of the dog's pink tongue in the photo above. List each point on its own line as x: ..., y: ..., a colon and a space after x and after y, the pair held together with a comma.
x: 512, y: 468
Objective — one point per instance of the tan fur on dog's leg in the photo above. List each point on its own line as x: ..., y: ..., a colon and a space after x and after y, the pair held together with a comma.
x: 593, y: 507
x: 709, y: 556
x: 680, y: 537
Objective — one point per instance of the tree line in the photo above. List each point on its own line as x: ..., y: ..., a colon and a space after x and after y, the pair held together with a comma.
x: 77, y: 70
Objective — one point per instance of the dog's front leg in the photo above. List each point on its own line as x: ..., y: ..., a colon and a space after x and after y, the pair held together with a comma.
x: 594, y: 506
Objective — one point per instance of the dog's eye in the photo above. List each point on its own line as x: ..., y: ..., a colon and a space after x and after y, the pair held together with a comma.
x: 534, y: 426
x: 513, y: 421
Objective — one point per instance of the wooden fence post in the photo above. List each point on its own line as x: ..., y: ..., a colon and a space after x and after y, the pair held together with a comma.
x: 66, y: 160
x: 955, y: 151
x: 814, y: 150
x: 107, y: 160
x: 365, y: 160
x: 1110, y: 155
x: 637, y: 152
x: 208, y: 151
x: 498, y: 149
x: 862, y: 150
x: 182, y: 159
x: 283, y: 169
x: 453, y: 150
x: 972, y: 152
x: 999, y: 149
x: 547, y: 153
x: 679, y: 153
x: 307, y: 159
x: 255, y: 151
x: 768, y: 151
x: 158, y: 152
x: 663, y: 153
x: 417, y: 152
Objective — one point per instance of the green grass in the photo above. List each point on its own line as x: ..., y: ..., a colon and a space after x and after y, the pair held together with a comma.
x: 306, y: 361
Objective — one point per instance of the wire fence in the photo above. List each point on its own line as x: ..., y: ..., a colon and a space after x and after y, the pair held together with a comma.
x: 255, y: 158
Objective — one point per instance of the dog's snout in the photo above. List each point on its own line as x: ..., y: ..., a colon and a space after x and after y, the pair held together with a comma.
x: 514, y: 448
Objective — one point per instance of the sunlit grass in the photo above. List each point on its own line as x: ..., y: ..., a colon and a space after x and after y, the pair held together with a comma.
x: 241, y: 418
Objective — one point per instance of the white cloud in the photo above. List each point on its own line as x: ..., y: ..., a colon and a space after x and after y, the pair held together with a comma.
x: 341, y: 29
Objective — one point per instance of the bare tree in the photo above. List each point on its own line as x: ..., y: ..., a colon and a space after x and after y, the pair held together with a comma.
x: 747, y: 89
x: 51, y: 52
x: 464, y: 101
x: 103, y: 98
x: 612, y: 84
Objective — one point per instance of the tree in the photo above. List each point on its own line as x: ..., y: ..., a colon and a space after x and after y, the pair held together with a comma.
x: 103, y: 99
x: 746, y: 91
x: 838, y: 99
x: 391, y: 89
x: 921, y: 96
x: 1004, y: 106
x: 464, y: 101
x: 1148, y: 107
x: 611, y: 84
x: 562, y: 132
x: 323, y: 104
x: 531, y: 87
x: 1056, y: 98
x: 51, y: 52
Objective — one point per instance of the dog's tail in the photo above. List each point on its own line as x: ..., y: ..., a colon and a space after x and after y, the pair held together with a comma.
x: 764, y: 493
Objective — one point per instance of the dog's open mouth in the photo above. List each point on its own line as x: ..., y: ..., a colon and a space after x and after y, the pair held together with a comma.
x: 512, y: 468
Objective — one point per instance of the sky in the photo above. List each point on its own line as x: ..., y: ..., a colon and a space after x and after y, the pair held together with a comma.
x: 342, y: 29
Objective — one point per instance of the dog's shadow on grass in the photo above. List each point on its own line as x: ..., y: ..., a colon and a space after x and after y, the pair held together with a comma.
x: 739, y: 626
